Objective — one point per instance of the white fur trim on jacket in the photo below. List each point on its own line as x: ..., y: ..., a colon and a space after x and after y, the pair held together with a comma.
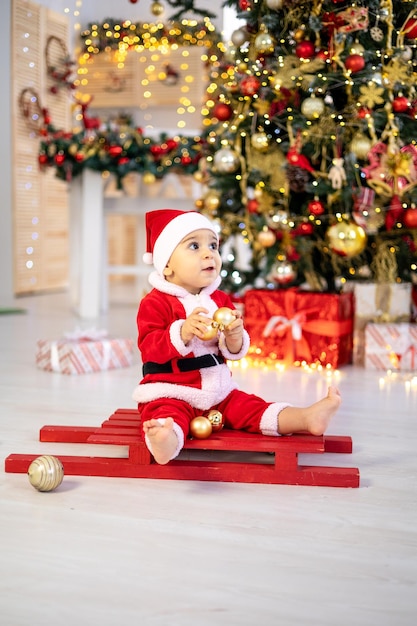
x: 269, y: 420
x: 216, y: 384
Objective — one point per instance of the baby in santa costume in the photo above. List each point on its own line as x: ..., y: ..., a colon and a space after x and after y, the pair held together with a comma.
x: 185, y: 375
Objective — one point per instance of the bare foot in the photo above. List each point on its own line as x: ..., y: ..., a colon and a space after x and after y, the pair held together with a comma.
x: 313, y: 419
x: 320, y: 413
x: 162, y: 439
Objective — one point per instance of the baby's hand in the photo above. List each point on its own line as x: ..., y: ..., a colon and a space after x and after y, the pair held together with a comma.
x: 233, y: 334
x: 195, y: 325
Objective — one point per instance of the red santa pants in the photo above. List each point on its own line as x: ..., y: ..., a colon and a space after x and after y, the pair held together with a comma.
x: 240, y: 410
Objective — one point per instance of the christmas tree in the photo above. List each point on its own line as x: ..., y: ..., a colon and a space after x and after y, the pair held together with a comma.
x: 311, y: 135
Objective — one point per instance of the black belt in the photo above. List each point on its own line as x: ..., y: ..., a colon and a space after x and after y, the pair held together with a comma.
x: 183, y: 365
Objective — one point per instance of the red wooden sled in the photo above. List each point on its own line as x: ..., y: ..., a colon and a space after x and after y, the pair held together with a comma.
x: 276, y: 457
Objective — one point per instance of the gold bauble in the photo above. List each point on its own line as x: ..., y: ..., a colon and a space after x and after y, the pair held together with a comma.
x: 360, y: 145
x: 266, y: 238
x: 239, y: 36
x: 199, y: 203
x: 274, y: 5
x: 211, y: 201
x: 148, y: 178
x: 264, y: 43
x: 223, y: 317
x: 226, y: 160
x: 210, y: 333
x: 216, y: 420
x: 157, y: 8
x: 260, y: 141
x: 282, y: 272
x: 312, y: 108
x: 346, y: 238
x: 200, y: 427
x: 299, y: 34
x: 46, y: 473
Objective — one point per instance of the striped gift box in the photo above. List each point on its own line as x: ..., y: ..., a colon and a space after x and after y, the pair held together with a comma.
x: 83, y: 356
x: 391, y: 347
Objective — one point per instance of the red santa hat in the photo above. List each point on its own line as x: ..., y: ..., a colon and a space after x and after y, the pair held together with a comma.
x: 165, y: 228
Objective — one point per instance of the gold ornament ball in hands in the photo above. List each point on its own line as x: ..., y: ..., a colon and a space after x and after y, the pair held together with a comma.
x: 210, y: 333
x: 200, y: 427
x: 223, y: 317
x: 346, y: 238
x: 46, y: 473
x: 216, y: 420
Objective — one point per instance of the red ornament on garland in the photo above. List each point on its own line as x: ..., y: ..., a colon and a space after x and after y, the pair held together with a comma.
x: 115, y: 151
x: 249, y: 85
x: 400, y: 104
x: 59, y: 158
x: 252, y: 205
x: 410, y: 218
x: 316, y: 207
x: 410, y: 28
x: 305, y: 49
x: 222, y: 111
x: 244, y: 5
x: 355, y: 63
x: 133, y: 1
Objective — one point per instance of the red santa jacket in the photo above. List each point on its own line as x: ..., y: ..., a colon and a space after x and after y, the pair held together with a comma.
x: 160, y: 317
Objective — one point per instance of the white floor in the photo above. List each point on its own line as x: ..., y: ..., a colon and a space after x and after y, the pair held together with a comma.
x: 146, y: 552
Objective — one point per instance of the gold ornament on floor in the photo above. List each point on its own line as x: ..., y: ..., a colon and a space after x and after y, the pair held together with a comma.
x: 46, y: 473
x: 346, y: 238
x: 216, y: 420
x: 200, y: 427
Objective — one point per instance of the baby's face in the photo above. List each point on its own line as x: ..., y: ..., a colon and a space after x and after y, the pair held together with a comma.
x: 195, y: 262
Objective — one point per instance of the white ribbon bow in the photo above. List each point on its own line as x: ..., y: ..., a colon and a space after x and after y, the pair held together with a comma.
x: 281, y: 322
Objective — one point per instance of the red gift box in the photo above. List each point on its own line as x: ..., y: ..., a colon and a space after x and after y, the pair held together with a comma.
x: 294, y: 326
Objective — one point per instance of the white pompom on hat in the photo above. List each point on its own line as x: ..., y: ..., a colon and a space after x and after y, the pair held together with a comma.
x: 165, y: 228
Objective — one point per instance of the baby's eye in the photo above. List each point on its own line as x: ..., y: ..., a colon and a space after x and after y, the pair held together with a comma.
x: 194, y: 245
x: 214, y: 245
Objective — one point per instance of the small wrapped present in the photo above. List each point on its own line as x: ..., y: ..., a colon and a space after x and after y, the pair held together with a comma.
x: 293, y: 326
x: 379, y: 303
x: 83, y: 352
x: 391, y: 347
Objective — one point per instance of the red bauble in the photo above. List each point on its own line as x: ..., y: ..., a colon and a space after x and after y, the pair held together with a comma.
x: 305, y: 228
x: 79, y: 157
x: 400, y: 104
x: 252, y: 205
x: 59, y: 158
x: 222, y: 111
x: 186, y: 160
x: 355, y: 63
x: 305, y: 50
x: 43, y: 159
x: 133, y: 1
x: 410, y: 218
x: 244, y: 5
x: 363, y: 112
x: 249, y: 85
x: 316, y: 207
x: 123, y: 160
x: 410, y: 28
x: 115, y: 151
x: 323, y: 55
